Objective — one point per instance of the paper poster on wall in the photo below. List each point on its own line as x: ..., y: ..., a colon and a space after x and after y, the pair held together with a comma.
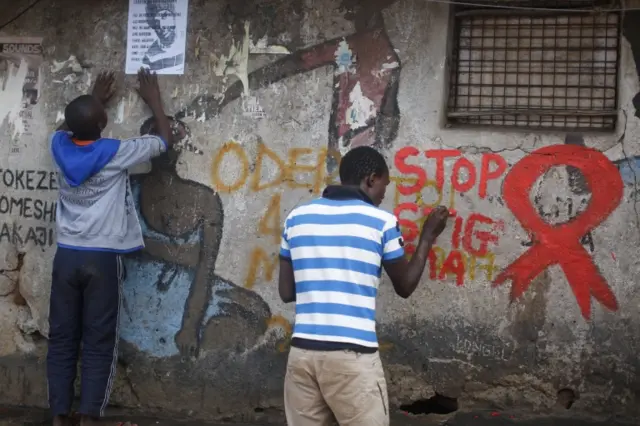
x: 20, y: 60
x: 157, y: 36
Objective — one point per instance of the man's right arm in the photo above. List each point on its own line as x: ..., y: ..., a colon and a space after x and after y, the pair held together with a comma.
x: 149, y: 91
x: 405, y: 275
x: 286, y: 277
x: 138, y: 150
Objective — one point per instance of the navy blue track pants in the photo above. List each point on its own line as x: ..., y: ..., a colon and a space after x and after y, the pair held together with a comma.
x: 84, y: 313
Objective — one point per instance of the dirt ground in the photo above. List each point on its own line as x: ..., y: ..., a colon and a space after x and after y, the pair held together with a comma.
x: 33, y: 417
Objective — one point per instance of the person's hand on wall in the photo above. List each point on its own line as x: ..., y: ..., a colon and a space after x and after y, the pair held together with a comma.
x: 149, y: 91
x: 148, y: 88
x: 435, y: 224
x: 105, y: 87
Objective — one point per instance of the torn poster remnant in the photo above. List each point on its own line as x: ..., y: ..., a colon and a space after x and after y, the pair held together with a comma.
x: 20, y: 82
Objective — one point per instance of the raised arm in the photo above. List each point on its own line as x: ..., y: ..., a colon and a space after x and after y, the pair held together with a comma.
x: 405, y: 275
x: 149, y: 91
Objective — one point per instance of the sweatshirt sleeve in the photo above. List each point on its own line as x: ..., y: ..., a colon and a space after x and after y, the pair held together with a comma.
x: 138, y: 150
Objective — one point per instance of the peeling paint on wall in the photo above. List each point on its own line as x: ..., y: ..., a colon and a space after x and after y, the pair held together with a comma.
x: 72, y: 64
x: 203, y: 327
x: 11, y: 96
x: 344, y: 58
x: 261, y: 47
x: 361, y: 110
x: 120, y: 112
x: 236, y: 62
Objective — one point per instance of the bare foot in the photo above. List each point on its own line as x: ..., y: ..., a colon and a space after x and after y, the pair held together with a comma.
x: 61, y: 421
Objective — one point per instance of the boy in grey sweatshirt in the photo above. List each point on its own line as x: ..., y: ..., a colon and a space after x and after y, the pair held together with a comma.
x: 96, y: 223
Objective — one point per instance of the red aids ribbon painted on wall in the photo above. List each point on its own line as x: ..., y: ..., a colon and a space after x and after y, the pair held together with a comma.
x: 560, y: 244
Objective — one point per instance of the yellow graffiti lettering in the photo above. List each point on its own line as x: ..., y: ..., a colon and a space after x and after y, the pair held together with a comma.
x: 218, y: 183
x: 488, y: 266
x: 294, y: 167
x: 305, y: 168
x: 418, y: 197
x: 261, y: 261
x: 256, y: 176
x: 270, y: 224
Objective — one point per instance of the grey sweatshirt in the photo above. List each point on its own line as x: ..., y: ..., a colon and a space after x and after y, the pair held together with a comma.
x: 95, y: 206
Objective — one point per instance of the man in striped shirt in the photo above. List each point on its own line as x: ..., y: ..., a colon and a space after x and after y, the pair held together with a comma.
x: 331, y: 258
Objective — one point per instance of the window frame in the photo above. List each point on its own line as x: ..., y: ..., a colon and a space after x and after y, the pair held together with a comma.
x: 452, y: 74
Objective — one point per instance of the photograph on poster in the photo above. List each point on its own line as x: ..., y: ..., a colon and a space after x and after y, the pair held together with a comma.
x: 157, y: 35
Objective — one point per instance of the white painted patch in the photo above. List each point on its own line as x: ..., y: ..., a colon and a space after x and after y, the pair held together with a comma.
x: 120, y: 113
x: 70, y: 78
x: 361, y: 109
x: 71, y: 63
x: 262, y: 48
x: 344, y: 58
x: 60, y: 116
x: 279, y: 89
x: 11, y: 96
x: 344, y: 148
x: 57, y: 66
x: 89, y: 81
x: 236, y: 63
x: 385, y: 68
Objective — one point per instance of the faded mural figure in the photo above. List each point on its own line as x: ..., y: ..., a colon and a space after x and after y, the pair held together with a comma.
x: 366, y: 79
x: 174, y: 303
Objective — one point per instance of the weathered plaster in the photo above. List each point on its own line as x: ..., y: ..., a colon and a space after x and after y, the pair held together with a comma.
x: 354, y: 76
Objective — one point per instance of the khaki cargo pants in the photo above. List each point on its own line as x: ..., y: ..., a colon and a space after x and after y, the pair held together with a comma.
x: 321, y: 388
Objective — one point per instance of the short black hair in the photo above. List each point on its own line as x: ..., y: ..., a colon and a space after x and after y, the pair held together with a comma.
x: 83, y: 115
x: 361, y: 162
x: 152, y: 8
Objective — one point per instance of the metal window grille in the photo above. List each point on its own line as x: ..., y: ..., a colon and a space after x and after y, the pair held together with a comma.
x: 535, y: 69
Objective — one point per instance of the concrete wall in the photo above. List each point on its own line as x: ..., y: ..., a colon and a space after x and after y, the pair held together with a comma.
x: 202, y: 327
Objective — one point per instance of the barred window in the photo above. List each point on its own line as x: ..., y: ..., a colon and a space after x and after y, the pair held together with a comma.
x: 534, y: 69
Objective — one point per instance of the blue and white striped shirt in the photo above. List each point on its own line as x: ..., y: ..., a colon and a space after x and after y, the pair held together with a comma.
x: 337, y: 246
